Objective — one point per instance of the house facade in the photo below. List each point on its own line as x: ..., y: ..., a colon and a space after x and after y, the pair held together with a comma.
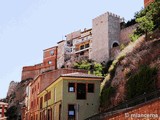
x: 3, y: 109
x: 73, y: 96
x: 88, y: 43
x: 49, y: 63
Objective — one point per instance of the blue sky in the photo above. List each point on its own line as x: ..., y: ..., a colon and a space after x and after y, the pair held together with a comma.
x: 29, y: 26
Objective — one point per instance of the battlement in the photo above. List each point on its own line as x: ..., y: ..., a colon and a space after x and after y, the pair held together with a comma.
x: 108, y: 14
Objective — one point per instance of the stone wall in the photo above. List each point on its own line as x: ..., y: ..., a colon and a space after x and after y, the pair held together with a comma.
x: 105, y: 31
x: 100, y: 38
x: 49, y: 77
x: 125, y: 34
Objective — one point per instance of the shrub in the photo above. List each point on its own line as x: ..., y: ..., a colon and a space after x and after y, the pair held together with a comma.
x: 141, y: 82
x: 106, y: 94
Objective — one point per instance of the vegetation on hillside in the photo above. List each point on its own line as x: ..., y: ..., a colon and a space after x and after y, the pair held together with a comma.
x: 93, y: 67
x: 148, y: 20
x: 142, y: 82
x: 134, y: 72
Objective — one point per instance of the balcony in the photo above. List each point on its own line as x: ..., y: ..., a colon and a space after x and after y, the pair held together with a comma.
x: 85, y: 39
x: 82, y: 48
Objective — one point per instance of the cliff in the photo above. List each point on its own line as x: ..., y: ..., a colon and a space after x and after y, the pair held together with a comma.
x: 138, y: 59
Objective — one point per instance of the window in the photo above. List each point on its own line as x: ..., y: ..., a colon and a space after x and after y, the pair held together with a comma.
x: 87, y: 45
x: 32, y: 90
x: 71, y: 112
x: 38, y: 85
x: 49, y: 62
x: 90, y: 88
x: 115, y: 44
x: 41, y: 102
x: 55, y: 97
x: 71, y: 87
x: 60, y: 107
x: 82, y: 53
x: 37, y: 101
x: 52, y: 52
x: 81, y: 91
x: 47, y: 96
x: 82, y: 47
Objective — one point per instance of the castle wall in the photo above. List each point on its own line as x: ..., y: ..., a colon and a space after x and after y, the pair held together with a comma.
x: 100, y: 38
x: 125, y: 34
x: 113, y: 31
x: 105, y: 31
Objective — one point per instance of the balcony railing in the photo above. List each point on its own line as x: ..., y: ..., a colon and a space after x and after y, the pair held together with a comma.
x: 83, y: 40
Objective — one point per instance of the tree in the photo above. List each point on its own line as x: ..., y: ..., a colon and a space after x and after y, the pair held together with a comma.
x: 93, y: 67
x: 148, y: 19
x: 146, y: 24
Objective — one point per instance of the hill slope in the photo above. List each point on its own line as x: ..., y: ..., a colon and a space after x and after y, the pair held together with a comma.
x: 128, y: 65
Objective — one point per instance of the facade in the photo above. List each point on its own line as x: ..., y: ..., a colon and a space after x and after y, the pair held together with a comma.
x: 49, y: 63
x: 26, y: 113
x: 105, y: 36
x: 36, y: 86
x: 73, y: 96
x: 34, y: 100
x: 147, y: 2
x: 88, y: 44
x: 3, y: 108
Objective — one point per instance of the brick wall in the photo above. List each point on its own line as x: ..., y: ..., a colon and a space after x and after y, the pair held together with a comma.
x: 49, y: 77
x: 49, y: 63
x: 151, y: 107
x: 147, y: 2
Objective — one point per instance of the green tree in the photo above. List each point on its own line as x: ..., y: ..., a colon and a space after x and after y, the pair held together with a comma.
x: 93, y: 67
x: 148, y: 19
x: 146, y: 24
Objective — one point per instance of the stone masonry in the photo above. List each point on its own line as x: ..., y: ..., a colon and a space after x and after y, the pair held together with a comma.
x: 105, y: 32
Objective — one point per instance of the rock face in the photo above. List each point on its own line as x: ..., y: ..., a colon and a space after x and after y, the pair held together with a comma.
x: 16, y: 94
x: 12, y: 88
x: 136, y: 54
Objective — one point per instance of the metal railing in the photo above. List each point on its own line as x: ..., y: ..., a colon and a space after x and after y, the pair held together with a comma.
x: 127, y: 104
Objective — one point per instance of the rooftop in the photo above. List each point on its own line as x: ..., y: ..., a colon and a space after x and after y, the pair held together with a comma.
x: 81, y: 75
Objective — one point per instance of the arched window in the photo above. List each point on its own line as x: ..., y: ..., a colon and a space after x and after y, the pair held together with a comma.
x: 115, y: 44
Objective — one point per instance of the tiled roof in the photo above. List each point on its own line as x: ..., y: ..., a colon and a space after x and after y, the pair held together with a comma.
x: 81, y: 75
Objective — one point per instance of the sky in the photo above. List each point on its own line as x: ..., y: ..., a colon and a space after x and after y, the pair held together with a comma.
x: 27, y: 27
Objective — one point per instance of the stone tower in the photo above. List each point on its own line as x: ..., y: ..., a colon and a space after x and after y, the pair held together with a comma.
x: 105, y: 36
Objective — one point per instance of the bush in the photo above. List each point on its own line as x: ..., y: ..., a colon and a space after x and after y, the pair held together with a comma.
x: 106, y: 94
x: 93, y: 67
x: 144, y: 81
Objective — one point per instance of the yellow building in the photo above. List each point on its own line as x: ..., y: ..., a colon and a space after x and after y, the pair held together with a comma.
x: 73, y: 96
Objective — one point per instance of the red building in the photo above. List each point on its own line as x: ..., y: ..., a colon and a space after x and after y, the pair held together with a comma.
x: 38, y: 85
x: 147, y: 2
x: 3, y: 108
x: 49, y: 63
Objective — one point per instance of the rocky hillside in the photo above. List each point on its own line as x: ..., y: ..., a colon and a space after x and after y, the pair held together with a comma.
x: 127, y: 68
